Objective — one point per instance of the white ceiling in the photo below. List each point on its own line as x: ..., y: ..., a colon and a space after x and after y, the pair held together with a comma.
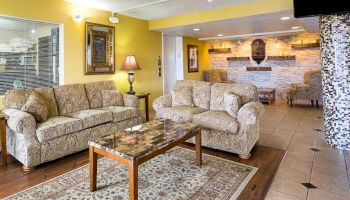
x: 155, y: 9
x: 238, y: 26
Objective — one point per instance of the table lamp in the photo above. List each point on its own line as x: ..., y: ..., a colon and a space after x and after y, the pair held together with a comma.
x: 130, y: 65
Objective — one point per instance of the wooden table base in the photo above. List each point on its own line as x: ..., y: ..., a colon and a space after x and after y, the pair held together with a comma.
x: 3, y: 140
x: 134, y: 164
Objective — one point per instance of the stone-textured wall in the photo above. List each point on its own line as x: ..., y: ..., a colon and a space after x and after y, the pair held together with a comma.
x: 283, y: 72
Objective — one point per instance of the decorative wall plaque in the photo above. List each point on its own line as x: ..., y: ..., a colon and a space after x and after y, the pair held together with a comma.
x: 258, y: 50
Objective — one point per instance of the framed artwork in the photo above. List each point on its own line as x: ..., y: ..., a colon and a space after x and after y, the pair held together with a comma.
x: 192, y: 55
x: 99, y: 49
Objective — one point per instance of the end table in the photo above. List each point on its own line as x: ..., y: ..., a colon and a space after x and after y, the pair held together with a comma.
x: 145, y: 96
x: 3, y: 137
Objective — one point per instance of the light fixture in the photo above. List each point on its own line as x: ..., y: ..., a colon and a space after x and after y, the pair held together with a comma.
x: 33, y: 31
x: 78, y: 18
x: 220, y: 35
x: 295, y: 27
x: 113, y: 19
x: 285, y: 18
x: 130, y: 65
x: 209, y: 1
x: 196, y: 29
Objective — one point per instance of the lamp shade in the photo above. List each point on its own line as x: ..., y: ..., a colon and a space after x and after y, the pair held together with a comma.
x: 130, y: 64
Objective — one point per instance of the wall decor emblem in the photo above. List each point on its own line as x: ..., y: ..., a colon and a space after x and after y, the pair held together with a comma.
x: 192, y: 55
x: 258, y: 50
x: 99, y: 49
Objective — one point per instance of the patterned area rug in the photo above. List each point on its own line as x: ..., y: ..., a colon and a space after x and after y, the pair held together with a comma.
x: 172, y: 175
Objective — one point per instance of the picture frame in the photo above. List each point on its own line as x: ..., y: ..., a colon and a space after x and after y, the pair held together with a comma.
x: 192, y: 56
x: 99, y: 49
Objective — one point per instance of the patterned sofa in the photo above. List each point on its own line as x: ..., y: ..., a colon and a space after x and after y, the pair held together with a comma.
x: 219, y: 129
x: 76, y: 115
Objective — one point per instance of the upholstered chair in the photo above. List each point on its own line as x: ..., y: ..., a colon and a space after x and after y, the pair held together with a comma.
x: 310, y: 89
x: 216, y: 76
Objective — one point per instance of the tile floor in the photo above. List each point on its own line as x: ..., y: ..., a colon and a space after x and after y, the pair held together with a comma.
x: 295, y: 130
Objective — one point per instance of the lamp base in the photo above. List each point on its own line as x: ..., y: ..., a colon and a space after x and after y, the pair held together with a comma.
x: 131, y: 79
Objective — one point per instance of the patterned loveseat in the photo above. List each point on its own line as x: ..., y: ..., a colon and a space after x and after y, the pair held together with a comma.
x: 75, y: 115
x: 219, y: 129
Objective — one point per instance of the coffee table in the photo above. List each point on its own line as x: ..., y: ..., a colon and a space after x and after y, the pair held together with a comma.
x: 141, y: 143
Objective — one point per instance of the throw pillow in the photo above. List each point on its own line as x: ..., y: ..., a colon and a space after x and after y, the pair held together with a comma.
x: 182, y: 97
x: 215, y: 76
x: 233, y: 103
x: 112, y: 98
x: 37, y: 107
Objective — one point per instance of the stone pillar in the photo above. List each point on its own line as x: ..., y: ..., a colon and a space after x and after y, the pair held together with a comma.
x: 335, y: 55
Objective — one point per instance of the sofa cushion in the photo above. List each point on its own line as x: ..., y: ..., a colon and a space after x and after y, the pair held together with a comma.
x: 71, y: 98
x: 217, y: 120
x: 121, y: 113
x: 182, y: 97
x: 180, y: 113
x: 248, y: 93
x: 233, y: 103
x: 93, y: 92
x: 92, y: 117
x: 112, y: 98
x: 15, y: 99
x: 200, y: 92
x: 57, y: 126
x: 36, y: 106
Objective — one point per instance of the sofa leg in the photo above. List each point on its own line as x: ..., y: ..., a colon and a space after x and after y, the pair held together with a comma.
x: 317, y: 104
x: 312, y: 103
x: 27, y: 169
x: 245, y: 157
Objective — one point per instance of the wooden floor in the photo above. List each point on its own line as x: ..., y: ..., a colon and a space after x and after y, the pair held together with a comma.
x: 267, y: 159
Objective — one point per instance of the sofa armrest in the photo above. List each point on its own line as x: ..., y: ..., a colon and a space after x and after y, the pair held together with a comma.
x: 131, y: 100
x: 20, y: 122
x: 250, y: 112
x: 162, y: 102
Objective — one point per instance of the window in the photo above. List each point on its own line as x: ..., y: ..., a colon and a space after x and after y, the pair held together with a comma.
x: 29, y: 54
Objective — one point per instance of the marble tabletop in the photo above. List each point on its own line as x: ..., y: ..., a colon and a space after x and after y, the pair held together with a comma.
x: 141, y: 140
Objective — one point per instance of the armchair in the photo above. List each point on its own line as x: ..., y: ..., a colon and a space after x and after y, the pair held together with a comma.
x: 310, y: 89
x: 216, y: 76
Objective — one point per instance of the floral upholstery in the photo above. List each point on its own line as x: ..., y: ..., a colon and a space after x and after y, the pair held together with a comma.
x: 17, y: 98
x: 36, y: 106
x: 310, y: 89
x: 200, y: 91
x: 34, y: 143
x: 93, y: 92
x: 216, y: 76
x: 131, y: 100
x: 112, y: 98
x: 220, y: 130
x: 71, y: 98
x: 92, y: 117
x: 56, y: 127
x: 217, y: 120
x: 182, y: 97
x: 180, y: 113
x: 233, y: 103
x: 121, y: 113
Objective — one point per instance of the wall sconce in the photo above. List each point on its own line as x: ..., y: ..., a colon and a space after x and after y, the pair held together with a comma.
x: 78, y: 18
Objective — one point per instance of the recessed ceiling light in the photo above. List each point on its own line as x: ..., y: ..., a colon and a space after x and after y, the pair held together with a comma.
x: 295, y: 27
x: 220, y: 35
x: 33, y: 31
x: 196, y: 29
x: 285, y: 18
x: 209, y: 1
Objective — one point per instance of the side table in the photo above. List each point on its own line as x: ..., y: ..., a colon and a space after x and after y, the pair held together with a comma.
x: 267, y: 95
x: 145, y: 96
x: 3, y: 138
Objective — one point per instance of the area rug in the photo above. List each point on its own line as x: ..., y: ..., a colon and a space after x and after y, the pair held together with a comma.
x: 172, y: 175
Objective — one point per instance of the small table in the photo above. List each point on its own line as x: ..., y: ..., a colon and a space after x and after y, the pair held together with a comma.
x: 145, y: 96
x: 141, y: 143
x: 3, y: 137
x: 267, y: 95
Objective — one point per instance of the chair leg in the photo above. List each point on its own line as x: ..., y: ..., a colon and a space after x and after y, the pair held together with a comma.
x: 287, y: 100
x: 291, y: 102
x: 245, y: 157
x: 27, y: 169
x: 312, y: 103
x: 317, y: 104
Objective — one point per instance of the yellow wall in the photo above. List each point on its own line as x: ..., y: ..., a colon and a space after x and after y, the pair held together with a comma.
x: 132, y: 37
x: 203, y: 58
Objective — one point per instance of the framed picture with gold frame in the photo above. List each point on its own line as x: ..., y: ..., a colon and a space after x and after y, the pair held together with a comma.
x: 99, y: 49
x: 192, y: 56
